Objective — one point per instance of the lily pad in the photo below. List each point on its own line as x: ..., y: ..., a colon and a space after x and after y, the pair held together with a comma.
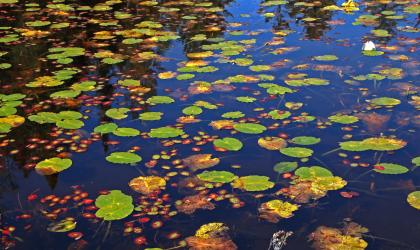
x: 217, y: 176
x: 228, y: 143
x: 165, y: 132
x: 106, y: 128
x: 305, y: 140
x: 123, y: 158
x: 413, y: 199
x: 253, y: 183
x: 390, y: 168
x: 297, y: 152
x: 117, y: 113
x: 285, y: 167
x: 147, y: 184
x: 385, y: 101
x: 151, y: 116
x: 249, y: 128
x: 114, y: 206
x: 52, y: 166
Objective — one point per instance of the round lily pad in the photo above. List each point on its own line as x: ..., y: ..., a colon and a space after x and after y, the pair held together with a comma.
x: 123, y: 158
x: 106, y: 128
x: 390, y: 168
x: 165, y: 132
x: 217, y: 176
x: 285, y: 167
x: 297, y: 152
x: 413, y: 199
x: 114, y: 206
x: 253, y: 183
x: 249, y: 128
x: 52, y: 166
x: 305, y: 140
x: 228, y: 143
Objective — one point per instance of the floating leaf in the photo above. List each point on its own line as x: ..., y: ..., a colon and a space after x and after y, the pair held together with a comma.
x: 297, y: 152
x: 217, y: 176
x: 233, y: 115
x: 165, y: 132
x: 343, y: 119
x: 374, y: 143
x: 160, y: 100
x: 385, y: 101
x: 285, y: 167
x: 413, y: 199
x: 117, y: 113
x: 228, y: 143
x: 275, y: 210
x: 70, y: 124
x: 147, y: 184
x: 151, y: 116
x: 114, y: 206
x: 390, y: 168
x: 326, y: 58
x: 249, y: 128
x: 123, y: 158
x: 305, y: 140
x: 52, y: 166
x: 312, y: 172
x: 62, y: 226
x: 126, y: 132
x: 200, y: 161
x: 192, y: 110
x: 253, y: 183
x: 272, y: 143
x: 106, y: 128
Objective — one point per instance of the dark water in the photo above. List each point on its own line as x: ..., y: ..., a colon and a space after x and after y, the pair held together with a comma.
x: 381, y: 204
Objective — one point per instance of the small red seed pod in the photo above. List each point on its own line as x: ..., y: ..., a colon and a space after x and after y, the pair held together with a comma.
x: 75, y: 235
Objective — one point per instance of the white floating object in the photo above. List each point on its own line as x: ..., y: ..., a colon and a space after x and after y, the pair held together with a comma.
x: 368, y: 46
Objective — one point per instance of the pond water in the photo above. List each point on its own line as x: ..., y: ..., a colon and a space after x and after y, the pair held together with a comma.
x: 209, y: 124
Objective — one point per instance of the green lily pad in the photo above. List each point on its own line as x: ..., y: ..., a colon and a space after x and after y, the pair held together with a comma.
x: 373, y: 143
x: 385, y: 101
x: 343, y: 119
x: 160, y: 100
x: 165, y: 132
x: 279, y: 114
x: 117, y: 113
x: 106, y: 128
x: 123, y: 158
x: 416, y: 161
x: 151, y: 116
x: 217, y: 176
x: 390, y: 168
x: 126, y: 132
x: 312, y: 172
x: 52, y: 166
x: 305, y: 140
x: 129, y: 82
x: 326, y: 58
x: 192, y: 110
x: 285, y: 167
x: 413, y: 199
x: 245, y: 99
x: 69, y: 124
x: 228, y: 143
x: 297, y: 152
x: 114, y: 206
x: 253, y: 183
x: 249, y: 128
x: 233, y: 115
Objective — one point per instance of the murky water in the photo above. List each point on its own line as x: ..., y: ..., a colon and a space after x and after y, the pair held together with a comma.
x: 150, y: 83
